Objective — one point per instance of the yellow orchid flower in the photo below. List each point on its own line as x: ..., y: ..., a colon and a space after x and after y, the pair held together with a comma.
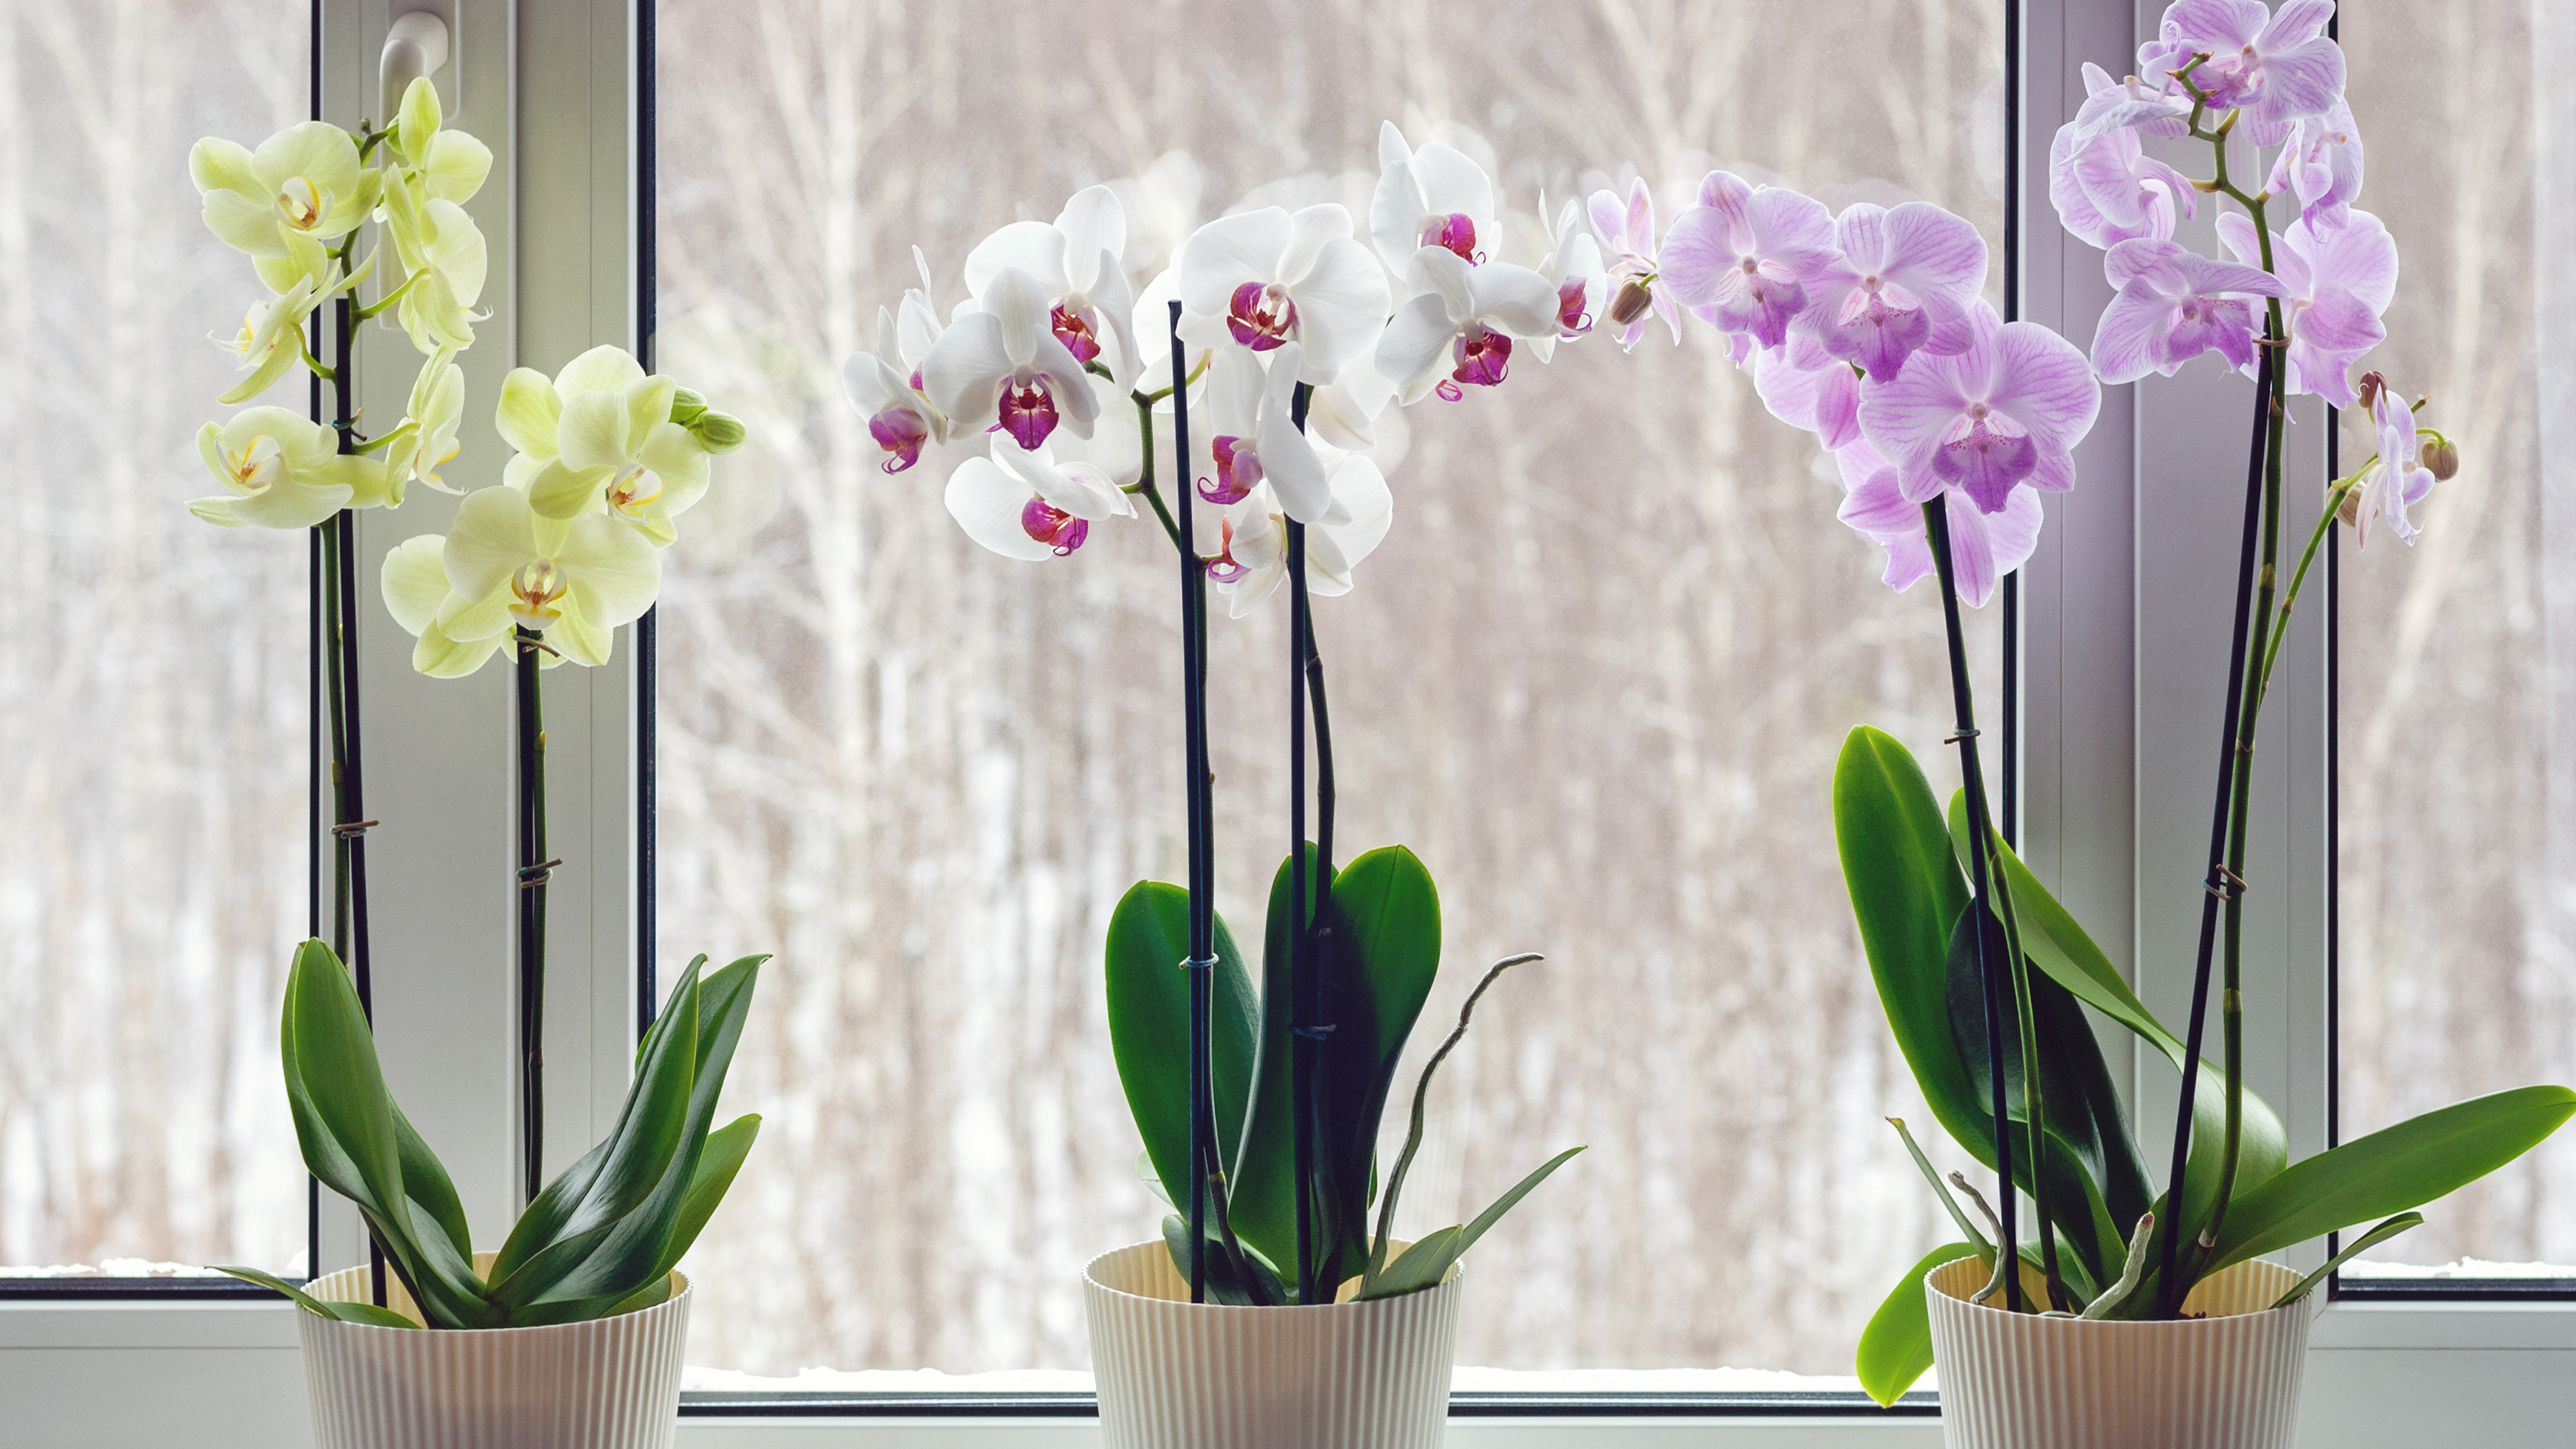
x: 304, y: 181
x: 504, y: 566
x: 283, y: 471
x: 600, y: 437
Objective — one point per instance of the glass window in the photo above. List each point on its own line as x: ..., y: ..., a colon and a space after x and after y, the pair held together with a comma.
x: 153, y: 691
x: 2458, y: 655
x: 1596, y: 678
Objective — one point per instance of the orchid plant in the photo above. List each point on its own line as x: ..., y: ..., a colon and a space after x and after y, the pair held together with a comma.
x: 1983, y: 974
x: 1285, y: 336
x: 551, y: 562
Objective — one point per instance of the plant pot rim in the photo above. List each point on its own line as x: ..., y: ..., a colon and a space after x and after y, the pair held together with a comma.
x: 2259, y: 1267
x: 394, y: 1286
x: 1091, y: 1280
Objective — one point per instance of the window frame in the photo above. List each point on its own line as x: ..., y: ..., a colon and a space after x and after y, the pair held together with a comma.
x: 2091, y: 647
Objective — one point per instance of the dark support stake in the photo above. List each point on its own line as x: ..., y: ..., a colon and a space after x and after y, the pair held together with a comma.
x: 1310, y: 896
x: 2218, y: 885
x: 1936, y: 522
x: 1202, y: 961
x: 535, y: 870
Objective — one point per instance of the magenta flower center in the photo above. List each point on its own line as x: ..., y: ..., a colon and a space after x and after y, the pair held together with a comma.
x: 1985, y: 455
x: 1261, y: 317
x: 1028, y: 411
x: 1456, y: 231
x: 1571, y: 319
x: 1078, y: 328
x: 1053, y: 526
x: 1225, y: 568
x: 900, y: 432
x: 1237, y: 469
x: 1482, y: 356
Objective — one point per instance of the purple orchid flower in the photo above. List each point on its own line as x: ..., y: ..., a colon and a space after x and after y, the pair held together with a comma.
x: 2276, y: 66
x: 2161, y: 108
x: 2106, y: 188
x: 1903, y: 284
x: 1983, y: 546
x: 1744, y: 256
x: 2174, y: 305
x: 2398, y: 480
x: 1628, y: 231
x: 1807, y: 387
x: 2322, y: 164
x: 2337, y: 281
x: 2008, y: 411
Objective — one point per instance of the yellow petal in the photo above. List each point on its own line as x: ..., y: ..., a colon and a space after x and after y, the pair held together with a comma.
x: 414, y: 582
x: 529, y: 408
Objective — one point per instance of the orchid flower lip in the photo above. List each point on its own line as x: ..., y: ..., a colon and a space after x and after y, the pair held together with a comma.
x: 1261, y: 316
x: 1028, y: 411
x: 1052, y: 526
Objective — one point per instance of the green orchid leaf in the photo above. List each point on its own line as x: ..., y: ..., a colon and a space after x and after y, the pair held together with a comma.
x: 651, y: 1295
x: 1896, y: 1346
x: 1149, y: 1027
x: 582, y: 1205
x: 2388, y: 1172
x: 1379, y: 965
x: 1418, y: 1267
x: 632, y: 1254
x: 1226, y: 1279
x: 2363, y: 1244
x: 726, y: 1148
x: 1427, y: 1262
x: 1263, y: 1195
x: 366, y: 1313
x: 2053, y: 941
x: 433, y: 1195
x: 1941, y: 1190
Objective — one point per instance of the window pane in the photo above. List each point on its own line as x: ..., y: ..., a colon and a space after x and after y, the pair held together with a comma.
x: 2458, y: 709
x: 1596, y: 678
x: 153, y: 693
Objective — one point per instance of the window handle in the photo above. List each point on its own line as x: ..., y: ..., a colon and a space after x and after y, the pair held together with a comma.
x: 415, y: 45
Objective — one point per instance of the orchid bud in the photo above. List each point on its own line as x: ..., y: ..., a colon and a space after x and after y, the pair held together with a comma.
x: 2371, y: 383
x: 686, y: 406
x: 2442, y: 459
x: 2350, y: 509
x: 1631, y: 303
x: 717, y: 432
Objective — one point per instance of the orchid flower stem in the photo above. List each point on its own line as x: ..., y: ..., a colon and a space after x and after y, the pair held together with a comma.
x: 2335, y: 497
x: 534, y: 871
x: 1145, y: 480
x: 2034, y: 1109
x: 1936, y: 523
x: 377, y: 307
x: 349, y: 933
x: 1201, y: 964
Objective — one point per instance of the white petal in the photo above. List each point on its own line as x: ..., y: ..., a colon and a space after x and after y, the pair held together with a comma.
x: 1092, y: 222
x: 1442, y: 273
x: 1228, y: 252
x: 1452, y: 183
x: 986, y: 502
x: 1514, y: 300
x: 1032, y: 247
x: 1413, y: 344
x: 1017, y: 301
x: 1342, y: 303
x: 1360, y: 489
x: 1289, y: 466
x: 963, y: 374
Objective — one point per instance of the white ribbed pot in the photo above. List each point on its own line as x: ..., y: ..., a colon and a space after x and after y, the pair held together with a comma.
x: 2226, y: 1380
x: 609, y: 1384
x: 1180, y: 1375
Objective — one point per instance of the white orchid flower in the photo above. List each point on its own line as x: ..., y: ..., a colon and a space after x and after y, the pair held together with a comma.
x: 1251, y: 554
x: 437, y: 410
x: 1434, y: 197
x: 1032, y: 504
x: 1462, y: 313
x: 304, y: 181
x: 1075, y: 261
x: 572, y: 580
x: 1001, y: 361
x: 1266, y: 278
x: 283, y: 471
x: 885, y: 385
x: 598, y: 438
x: 1581, y: 278
x: 1253, y: 438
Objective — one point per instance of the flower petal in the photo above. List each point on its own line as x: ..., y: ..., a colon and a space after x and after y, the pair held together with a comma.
x: 592, y: 431
x: 493, y: 535
x: 1410, y: 349
x: 613, y: 570
x: 2045, y: 385
x: 986, y: 502
x: 1342, y: 303
x: 604, y: 368
x: 1228, y: 252
x: 414, y: 582
x: 1031, y: 247
x: 963, y: 374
